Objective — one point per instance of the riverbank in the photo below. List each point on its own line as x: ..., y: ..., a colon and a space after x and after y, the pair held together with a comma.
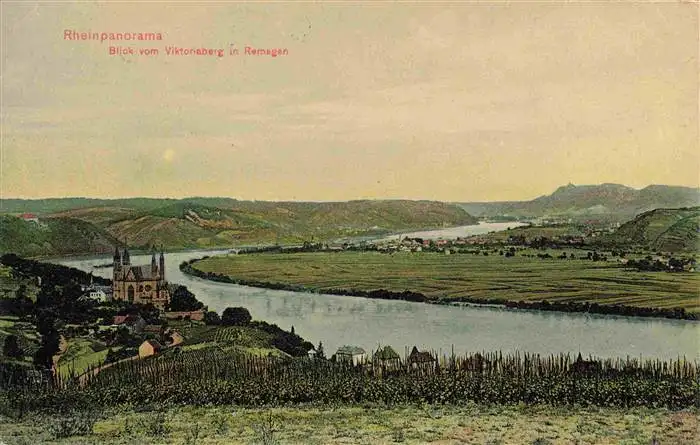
x: 309, y: 273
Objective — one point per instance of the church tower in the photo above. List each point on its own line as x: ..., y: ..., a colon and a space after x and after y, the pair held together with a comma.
x: 117, y: 258
x: 116, y: 264
x: 154, y: 266
x: 161, y: 270
x: 116, y: 273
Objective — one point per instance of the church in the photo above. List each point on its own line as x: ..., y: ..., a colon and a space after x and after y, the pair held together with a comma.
x: 140, y: 284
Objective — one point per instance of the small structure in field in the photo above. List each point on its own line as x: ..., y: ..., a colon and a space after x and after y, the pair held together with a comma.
x: 148, y: 348
x: 351, y: 354
x: 421, y: 359
x: 386, y: 357
x: 581, y: 366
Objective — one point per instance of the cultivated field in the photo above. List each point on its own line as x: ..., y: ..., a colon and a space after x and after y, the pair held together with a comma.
x: 368, y: 424
x: 440, y: 276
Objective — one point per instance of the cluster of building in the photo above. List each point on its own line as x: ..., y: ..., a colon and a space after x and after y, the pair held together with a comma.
x: 385, y: 357
x: 135, y: 324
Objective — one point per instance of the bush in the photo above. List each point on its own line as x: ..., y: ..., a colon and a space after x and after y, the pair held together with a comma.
x: 235, y: 316
x: 212, y: 318
x: 72, y: 425
x: 184, y: 300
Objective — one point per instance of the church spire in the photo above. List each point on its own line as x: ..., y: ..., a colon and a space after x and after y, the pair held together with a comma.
x: 125, y: 257
x: 161, y: 269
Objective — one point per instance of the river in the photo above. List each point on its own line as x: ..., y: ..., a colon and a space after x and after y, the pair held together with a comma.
x: 339, y: 320
x: 459, y: 231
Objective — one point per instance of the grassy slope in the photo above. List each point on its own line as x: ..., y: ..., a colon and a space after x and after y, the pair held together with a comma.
x: 473, y: 424
x: 440, y: 276
x: 663, y: 229
x: 243, y: 338
x: 81, y: 354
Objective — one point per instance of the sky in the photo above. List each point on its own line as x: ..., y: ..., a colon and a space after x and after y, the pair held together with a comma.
x: 449, y: 101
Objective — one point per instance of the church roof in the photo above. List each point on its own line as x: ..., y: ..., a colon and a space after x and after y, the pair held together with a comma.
x: 141, y: 273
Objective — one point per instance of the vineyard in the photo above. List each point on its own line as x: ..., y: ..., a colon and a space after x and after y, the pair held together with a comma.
x: 212, y: 376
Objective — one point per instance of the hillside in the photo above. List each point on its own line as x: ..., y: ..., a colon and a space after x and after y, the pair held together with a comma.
x: 668, y: 230
x: 52, y: 236
x: 210, y: 222
x: 610, y: 201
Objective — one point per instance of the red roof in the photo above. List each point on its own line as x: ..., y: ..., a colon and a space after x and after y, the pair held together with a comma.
x: 28, y: 216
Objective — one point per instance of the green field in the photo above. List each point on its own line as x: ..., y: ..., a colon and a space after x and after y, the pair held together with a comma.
x: 81, y: 354
x: 440, y: 276
x: 27, y: 337
x: 368, y: 424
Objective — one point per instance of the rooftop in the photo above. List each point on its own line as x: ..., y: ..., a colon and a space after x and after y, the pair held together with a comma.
x: 350, y: 350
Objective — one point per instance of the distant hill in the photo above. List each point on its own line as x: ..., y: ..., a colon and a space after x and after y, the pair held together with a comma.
x: 608, y: 201
x: 667, y: 230
x: 209, y: 222
x: 54, y: 205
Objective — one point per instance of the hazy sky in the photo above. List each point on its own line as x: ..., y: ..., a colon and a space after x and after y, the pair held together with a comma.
x: 455, y: 102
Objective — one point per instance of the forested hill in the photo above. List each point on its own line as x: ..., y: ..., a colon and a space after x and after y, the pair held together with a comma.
x: 94, y: 226
x: 611, y: 201
x: 667, y: 230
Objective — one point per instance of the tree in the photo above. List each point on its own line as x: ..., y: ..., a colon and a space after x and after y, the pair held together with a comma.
x: 212, y: 318
x: 235, y: 316
x: 320, y: 353
x: 50, y: 340
x: 11, y: 347
x: 184, y: 300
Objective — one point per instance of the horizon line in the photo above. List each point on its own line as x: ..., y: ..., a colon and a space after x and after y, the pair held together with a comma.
x: 181, y: 198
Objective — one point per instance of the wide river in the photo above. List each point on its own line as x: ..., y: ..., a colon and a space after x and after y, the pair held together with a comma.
x: 338, y: 320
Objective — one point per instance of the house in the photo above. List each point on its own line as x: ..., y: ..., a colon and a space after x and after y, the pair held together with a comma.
x: 119, y: 319
x: 351, y: 354
x: 148, y: 348
x: 175, y: 336
x: 421, y: 360
x: 386, y: 357
x: 135, y: 323
x: 97, y: 295
x: 191, y: 315
x: 29, y: 217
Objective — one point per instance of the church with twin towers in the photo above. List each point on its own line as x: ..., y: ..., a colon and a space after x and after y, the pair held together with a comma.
x: 141, y: 284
